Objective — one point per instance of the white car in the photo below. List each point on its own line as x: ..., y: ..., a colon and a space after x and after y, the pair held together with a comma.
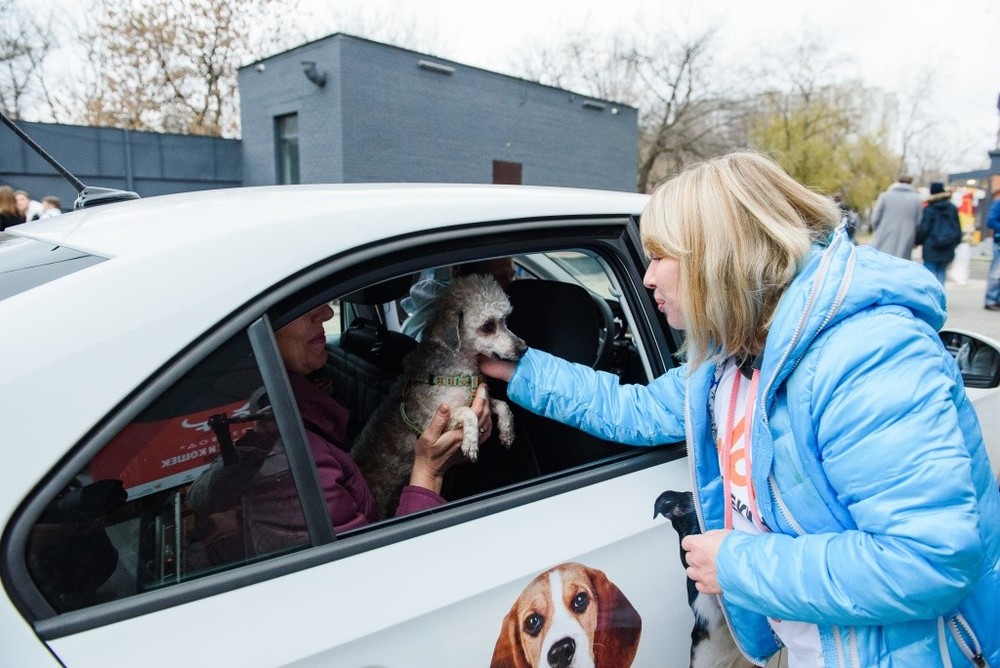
x: 136, y: 336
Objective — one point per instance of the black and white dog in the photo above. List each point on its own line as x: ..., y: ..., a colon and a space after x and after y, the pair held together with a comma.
x: 712, y: 644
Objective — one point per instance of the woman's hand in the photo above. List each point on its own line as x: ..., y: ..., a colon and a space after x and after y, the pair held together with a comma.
x: 494, y: 368
x: 481, y: 407
x: 702, y: 551
x: 436, y: 451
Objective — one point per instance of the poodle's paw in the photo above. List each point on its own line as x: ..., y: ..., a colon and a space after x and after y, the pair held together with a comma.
x: 465, y: 418
x: 505, y: 421
x: 471, y: 449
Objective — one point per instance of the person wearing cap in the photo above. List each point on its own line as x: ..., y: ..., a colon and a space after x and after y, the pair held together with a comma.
x: 940, y: 231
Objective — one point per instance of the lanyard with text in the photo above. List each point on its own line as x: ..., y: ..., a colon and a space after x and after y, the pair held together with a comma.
x: 727, y: 444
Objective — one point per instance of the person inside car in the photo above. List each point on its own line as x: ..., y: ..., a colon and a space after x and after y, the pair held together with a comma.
x: 839, y: 469
x: 259, y: 474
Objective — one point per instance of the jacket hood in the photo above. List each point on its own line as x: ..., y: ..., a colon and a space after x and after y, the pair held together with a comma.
x: 838, y: 280
x: 422, y: 295
x: 939, y: 197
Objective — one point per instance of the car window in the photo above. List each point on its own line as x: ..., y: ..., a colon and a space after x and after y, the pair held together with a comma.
x: 175, y: 494
x: 27, y: 263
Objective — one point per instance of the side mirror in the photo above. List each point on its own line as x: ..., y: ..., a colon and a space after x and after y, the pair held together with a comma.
x: 978, y: 357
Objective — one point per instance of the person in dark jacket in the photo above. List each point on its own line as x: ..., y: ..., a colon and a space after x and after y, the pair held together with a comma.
x: 940, y: 231
x: 259, y: 476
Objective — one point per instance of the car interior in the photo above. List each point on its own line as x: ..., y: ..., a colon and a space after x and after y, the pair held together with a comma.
x: 978, y: 362
x: 561, y: 317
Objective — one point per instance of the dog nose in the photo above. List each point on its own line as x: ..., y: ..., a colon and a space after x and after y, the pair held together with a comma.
x: 561, y: 654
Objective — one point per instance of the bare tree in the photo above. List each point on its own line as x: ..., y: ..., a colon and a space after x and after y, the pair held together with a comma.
x: 682, y: 115
x: 26, y: 40
x: 821, y: 124
x: 171, y: 65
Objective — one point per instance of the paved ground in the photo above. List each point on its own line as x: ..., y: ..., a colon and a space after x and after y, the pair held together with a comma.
x: 965, y: 303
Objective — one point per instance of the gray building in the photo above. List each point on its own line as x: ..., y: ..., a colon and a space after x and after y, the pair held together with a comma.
x: 346, y: 109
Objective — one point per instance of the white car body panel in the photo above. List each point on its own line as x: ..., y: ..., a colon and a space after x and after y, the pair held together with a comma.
x: 422, y: 614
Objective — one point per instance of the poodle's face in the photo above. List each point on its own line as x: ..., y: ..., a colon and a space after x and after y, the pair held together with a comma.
x: 475, y: 310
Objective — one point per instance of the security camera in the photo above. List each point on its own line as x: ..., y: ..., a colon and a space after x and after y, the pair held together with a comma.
x: 261, y: 67
x: 313, y: 74
x: 614, y: 110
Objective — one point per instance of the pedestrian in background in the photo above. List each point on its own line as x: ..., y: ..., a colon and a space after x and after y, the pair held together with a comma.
x: 940, y: 231
x: 896, y: 217
x: 28, y: 207
x: 51, y: 206
x: 993, y: 278
x: 9, y: 214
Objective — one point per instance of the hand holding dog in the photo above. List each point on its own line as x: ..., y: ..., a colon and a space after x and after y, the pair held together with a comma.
x: 702, y: 550
x: 437, y: 450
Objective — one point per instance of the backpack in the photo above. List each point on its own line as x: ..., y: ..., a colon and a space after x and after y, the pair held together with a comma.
x: 944, y: 233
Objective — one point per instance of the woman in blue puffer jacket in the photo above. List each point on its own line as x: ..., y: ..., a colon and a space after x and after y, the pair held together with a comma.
x: 843, y: 487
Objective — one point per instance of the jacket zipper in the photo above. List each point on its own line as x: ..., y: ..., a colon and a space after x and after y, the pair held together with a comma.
x: 967, y: 640
x: 824, y: 264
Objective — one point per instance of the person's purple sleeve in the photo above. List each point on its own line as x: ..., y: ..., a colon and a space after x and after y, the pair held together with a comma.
x: 414, y: 499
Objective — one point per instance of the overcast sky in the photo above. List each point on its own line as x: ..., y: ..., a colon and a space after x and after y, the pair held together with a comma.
x: 889, y: 44
x: 892, y: 42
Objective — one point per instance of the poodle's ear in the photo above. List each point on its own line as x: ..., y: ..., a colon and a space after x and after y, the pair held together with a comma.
x: 447, y: 328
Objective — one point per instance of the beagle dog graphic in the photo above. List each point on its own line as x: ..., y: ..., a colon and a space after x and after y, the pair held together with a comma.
x: 570, y: 616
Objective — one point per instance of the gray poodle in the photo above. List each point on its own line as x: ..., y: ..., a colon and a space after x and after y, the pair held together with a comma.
x: 469, y: 319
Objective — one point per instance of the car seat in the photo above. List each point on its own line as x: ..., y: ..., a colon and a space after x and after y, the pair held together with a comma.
x: 568, y: 321
x: 366, y: 358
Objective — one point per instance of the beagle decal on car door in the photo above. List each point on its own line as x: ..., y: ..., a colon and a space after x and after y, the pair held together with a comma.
x: 570, y: 616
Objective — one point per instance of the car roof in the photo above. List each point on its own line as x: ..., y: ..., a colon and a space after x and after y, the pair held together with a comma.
x: 179, y: 264
x: 171, y: 221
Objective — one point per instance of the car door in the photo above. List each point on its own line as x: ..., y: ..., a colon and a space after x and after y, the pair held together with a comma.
x: 144, y: 577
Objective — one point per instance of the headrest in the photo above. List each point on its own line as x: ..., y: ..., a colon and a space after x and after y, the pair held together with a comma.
x: 557, y: 317
x: 376, y: 344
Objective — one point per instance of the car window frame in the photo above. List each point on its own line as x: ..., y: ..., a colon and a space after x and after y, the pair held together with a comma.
x: 614, y: 238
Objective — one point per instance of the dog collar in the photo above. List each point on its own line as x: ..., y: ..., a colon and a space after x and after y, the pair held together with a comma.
x: 469, y: 380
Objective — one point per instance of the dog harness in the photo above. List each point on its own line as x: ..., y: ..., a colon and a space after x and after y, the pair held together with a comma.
x: 469, y: 380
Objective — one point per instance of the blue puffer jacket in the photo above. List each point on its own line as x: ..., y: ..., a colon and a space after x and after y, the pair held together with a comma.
x: 869, y: 466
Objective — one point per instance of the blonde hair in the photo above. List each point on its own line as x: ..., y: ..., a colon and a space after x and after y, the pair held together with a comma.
x: 739, y: 227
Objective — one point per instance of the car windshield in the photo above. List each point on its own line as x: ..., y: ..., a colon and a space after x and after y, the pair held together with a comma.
x: 27, y: 263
